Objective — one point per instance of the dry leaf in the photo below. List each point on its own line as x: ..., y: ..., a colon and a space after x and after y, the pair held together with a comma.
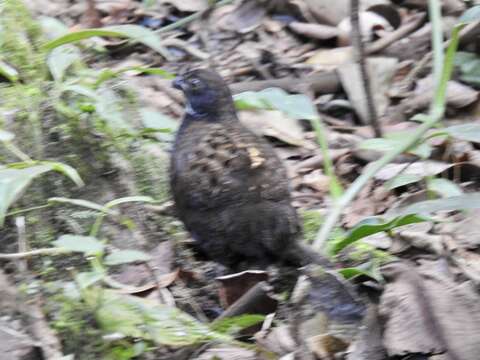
x: 381, y: 72
x: 274, y: 124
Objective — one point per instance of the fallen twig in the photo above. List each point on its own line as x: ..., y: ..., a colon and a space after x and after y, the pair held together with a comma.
x: 360, y: 57
x: 415, y: 22
x: 254, y: 301
x: 21, y: 255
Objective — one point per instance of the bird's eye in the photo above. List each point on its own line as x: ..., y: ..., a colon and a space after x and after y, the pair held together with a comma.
x: 195, y: 83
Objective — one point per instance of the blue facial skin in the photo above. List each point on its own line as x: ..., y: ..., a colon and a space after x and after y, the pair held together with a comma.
x: 202, y: 100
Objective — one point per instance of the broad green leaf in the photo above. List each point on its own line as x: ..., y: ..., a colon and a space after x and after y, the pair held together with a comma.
x: 6, y: 135
x: 237, y: 323
x: 373, y: 225
x: 350, y: 273
x: 155, y: 120
x: 470, y: 15
x: 401, y: 180
x: 8, y: 72
x: 133, y: 32
x: 126, y: 256
x: 249, y: 100
x: 83, y: 203
x: 466, y: 132
x: 87, y: 279
x: 78, y: 243
x: 294, y: 106
x: 462, y: 202
x: 444, y: 187
x: 60, y: 59
x: 13, y: 182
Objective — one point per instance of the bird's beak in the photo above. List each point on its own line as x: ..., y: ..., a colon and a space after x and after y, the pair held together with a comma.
x: 179, y: 83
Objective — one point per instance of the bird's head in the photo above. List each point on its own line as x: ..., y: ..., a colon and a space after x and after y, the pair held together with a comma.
x: 206, y: 93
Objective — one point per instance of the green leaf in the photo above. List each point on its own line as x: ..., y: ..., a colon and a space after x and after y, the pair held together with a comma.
x: 133, y: 32
x: 13, y: 182
x: 60, y: 59
x: 394, y: 141
x: 83, y: 203
x: 466, y: 132
x: 6, y: 135
x: 157, y: 121
x: 420, y: 117
x: 373, y: 225
x: 237, y: 323
x: 469, y: 66
x: 77, y: 243
x: 89, y: 278
x: 249, y: 100
x: 294, y: 106
x: 81, y: 90
x: 462, y: 202
x: 142, y: 318
x: 401, y: 180
x: 444, y: 187
x: 108, y: 74
x: 127, y: 199
x: 379, y: 144
x: 470, y: 15
x: 66, y: 170
x: 109, y: 107
x: 8, y: 72
x: 126, y: 256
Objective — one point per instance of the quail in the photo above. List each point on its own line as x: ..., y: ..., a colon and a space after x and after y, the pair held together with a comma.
x: 230, y: 188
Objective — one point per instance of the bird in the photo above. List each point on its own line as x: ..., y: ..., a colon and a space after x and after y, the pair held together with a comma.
x: 230, y: 189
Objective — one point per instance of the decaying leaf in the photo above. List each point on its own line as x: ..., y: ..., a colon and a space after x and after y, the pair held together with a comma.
x: 426, y: 312
x: 274, y: 124
x: 381, y: 71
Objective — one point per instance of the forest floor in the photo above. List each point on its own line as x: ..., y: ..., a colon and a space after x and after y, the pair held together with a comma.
x: 100, y: 268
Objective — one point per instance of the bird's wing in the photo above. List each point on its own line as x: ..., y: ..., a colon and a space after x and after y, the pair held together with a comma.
x: 219, y: 165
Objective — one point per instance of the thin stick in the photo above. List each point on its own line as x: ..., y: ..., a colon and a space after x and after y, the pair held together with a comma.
x: 22, y: 242
x: 360, y: 59
x: 45, y: 251
x: 415, y: 22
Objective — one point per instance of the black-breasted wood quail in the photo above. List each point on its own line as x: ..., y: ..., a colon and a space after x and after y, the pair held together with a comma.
x: 230, y: 189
